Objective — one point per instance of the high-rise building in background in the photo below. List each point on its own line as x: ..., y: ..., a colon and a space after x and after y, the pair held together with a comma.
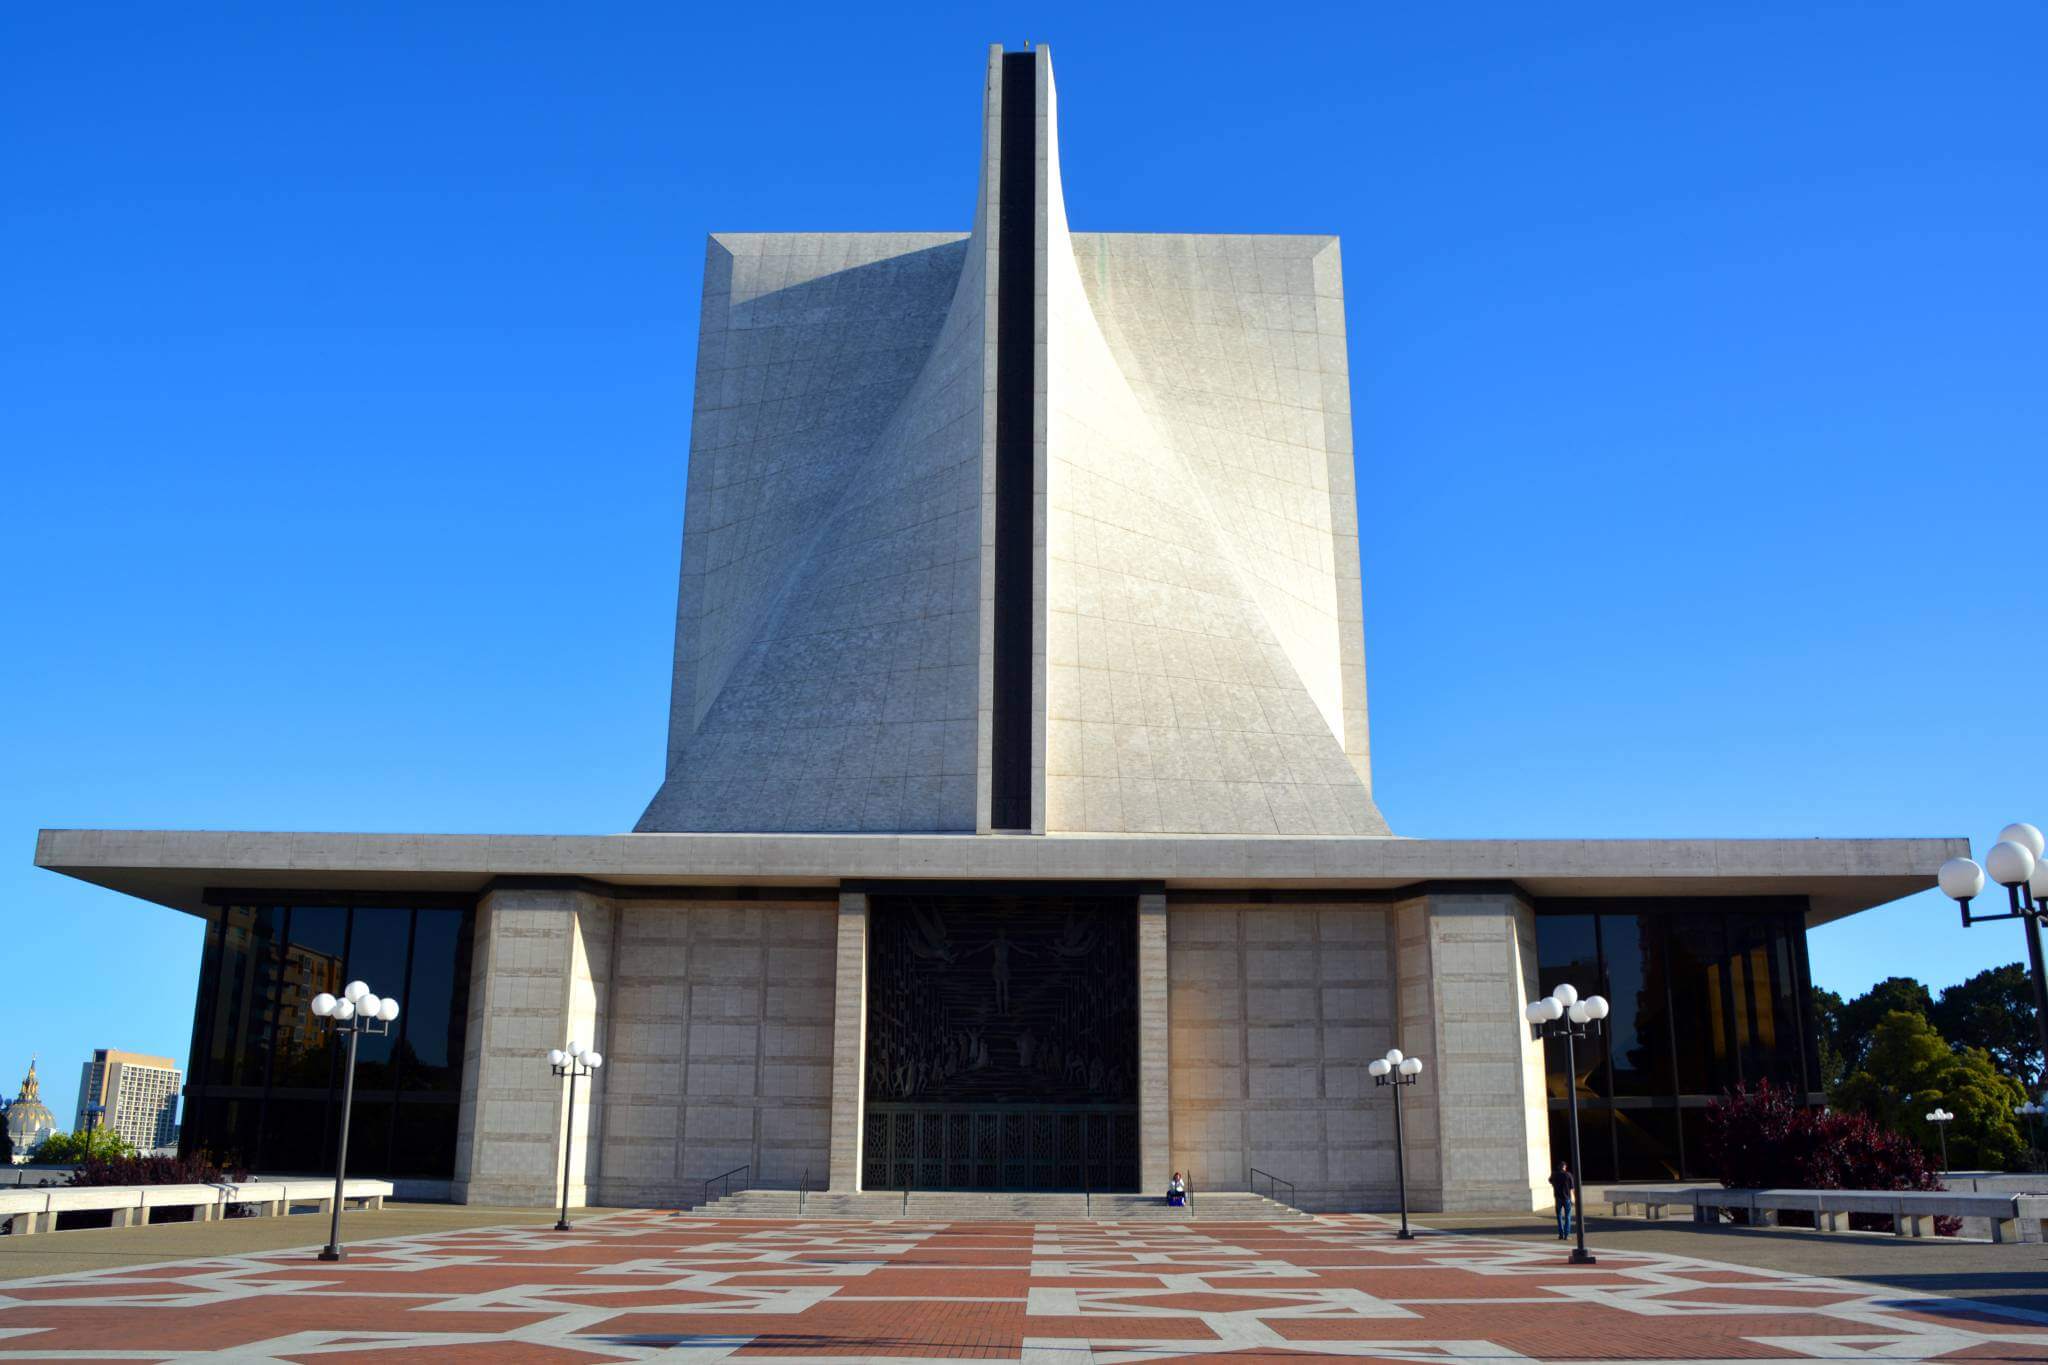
x: 132, y: 1093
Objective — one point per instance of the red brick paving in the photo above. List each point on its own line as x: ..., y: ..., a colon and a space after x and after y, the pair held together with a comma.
x: 636, y: 1285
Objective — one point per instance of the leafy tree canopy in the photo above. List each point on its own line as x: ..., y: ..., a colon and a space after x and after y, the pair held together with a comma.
x: 1908, y: 1070
x: 71, y: 1149
x: 1994, y: 1010
x: 1856, y: 1024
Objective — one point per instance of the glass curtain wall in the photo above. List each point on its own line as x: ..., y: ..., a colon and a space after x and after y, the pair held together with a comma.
x: 265, y: 1087
x: 1704, y: 994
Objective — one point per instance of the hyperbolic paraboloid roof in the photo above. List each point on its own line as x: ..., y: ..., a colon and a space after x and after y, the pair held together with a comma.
x: 943, y: 571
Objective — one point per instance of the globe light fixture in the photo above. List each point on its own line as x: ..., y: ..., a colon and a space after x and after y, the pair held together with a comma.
x: 574, y: 1062
x: 2016, y: 862
x: 356, y: 1013
x: 1565, y: 1014
x: 1941, y: 1119
x: 1397, y: 1070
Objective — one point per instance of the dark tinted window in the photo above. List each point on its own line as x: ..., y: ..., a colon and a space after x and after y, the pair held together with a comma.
x: 1704, y: 994
x: 1697, y: 960
x: 437, y: 1002
x: 378, y: 943
x: 312, y: 966
x: 1646, y: 1144
x: 267, y: 1083
x: 1568, y: 950
x: 1639, y: 1025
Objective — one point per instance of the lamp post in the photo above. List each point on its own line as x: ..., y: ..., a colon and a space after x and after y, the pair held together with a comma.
x: 1397, y: 1071
x: 359, y: 1011
x: 1562, y: 1014
x: 2015, y: 862
x: 578, y: 1060
x: 1941, y: 1119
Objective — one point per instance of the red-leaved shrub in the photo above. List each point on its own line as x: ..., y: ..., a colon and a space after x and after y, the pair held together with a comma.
x: 1765, y: 1139
x: 196, y: 1169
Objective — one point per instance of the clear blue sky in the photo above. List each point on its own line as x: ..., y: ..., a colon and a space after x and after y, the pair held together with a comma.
x: 345, y: 360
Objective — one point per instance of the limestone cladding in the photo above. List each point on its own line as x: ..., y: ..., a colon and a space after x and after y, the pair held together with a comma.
x: 849, y: 1041
x: 1198, y: 657
x: 1274, y: 1014
x: 1200, y: 566
x: 539, y: 971
x: 1479, y: 1133
x: 721, y: 1049
x: 828, y: 624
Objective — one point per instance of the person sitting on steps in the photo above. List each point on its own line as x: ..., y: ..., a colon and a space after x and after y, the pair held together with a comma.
x: 1176, y: 1191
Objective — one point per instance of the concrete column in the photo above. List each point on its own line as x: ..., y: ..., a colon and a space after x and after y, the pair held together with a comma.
x: 539, y: 971
x: 849, y: 1041
x: 1155, y: 1116
x: 1479, y: 1135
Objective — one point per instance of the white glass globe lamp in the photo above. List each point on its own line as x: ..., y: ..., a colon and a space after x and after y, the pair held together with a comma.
x: 2025, y: 835
x: 2009, y: 862
x: 1960, y: 879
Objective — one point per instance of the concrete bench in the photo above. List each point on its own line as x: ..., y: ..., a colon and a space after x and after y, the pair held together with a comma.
x: 1652, y: 1200
x: 35, y: 1210
x: 1912, y: 1211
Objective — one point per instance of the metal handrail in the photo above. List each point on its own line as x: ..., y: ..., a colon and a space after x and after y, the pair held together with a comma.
x: 1274, y: 1183
x: 726, y: 1176
x: 803, y: 1187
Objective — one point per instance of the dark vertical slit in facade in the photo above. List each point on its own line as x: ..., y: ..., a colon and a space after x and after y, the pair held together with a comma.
x: 1016, y: 408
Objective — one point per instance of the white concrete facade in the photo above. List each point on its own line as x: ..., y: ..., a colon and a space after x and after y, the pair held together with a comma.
x: 1197, y: 640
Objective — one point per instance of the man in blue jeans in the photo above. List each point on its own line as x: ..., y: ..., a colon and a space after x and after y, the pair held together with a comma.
x: 1563, y: 1186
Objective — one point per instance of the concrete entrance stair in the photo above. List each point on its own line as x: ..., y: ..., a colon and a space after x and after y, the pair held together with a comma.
x: 966, y: 1206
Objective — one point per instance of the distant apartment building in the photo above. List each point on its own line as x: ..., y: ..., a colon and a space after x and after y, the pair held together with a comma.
x: 136, y: 1095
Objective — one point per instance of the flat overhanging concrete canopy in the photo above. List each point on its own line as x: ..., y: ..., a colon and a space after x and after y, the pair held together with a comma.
x: 176, y: 868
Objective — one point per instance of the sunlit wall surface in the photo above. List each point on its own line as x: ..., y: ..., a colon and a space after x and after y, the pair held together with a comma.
x: 1706, y: 994
x: 265, y: 1085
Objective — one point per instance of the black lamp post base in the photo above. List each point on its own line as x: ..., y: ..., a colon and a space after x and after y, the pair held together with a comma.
x: 562, y: 1226
x: 1580, y: 1256
x: 330, y: 1252
x: 1404, y: 1236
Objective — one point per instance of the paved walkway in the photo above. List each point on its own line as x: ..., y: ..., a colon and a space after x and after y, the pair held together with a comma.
x: 2014, y: 1275
x: 638, y: 1285
x: 109, y: 1248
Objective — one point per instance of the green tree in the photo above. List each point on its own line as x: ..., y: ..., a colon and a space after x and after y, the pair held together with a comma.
x: 1908, y: 1069
x: 1826, y: 1010
x: 69, y: 1149
x: 1856, y: 1025
x: 1994, y: 1010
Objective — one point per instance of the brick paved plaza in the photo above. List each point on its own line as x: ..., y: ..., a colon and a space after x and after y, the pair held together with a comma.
x: 638, y: 1285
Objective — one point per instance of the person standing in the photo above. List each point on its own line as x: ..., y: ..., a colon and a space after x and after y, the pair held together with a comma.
x: 1565, y: 1189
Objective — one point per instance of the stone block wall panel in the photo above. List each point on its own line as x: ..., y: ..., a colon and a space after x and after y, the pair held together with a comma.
x: 1273, y: 1014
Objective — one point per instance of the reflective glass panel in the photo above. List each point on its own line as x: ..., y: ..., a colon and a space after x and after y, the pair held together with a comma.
x: 244, y: 996
x: 378, y: 939
x: 298, y: 1137
x: 423, y: 1144
x: 436, y: 1002
x: 1700, y: 994
x: 1596, y: 1140
x: 312, y: 966
x: 1646, y: 1144
x: 1568, y: 950
x: 267, y: 1075
x: 1638, y: 1026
